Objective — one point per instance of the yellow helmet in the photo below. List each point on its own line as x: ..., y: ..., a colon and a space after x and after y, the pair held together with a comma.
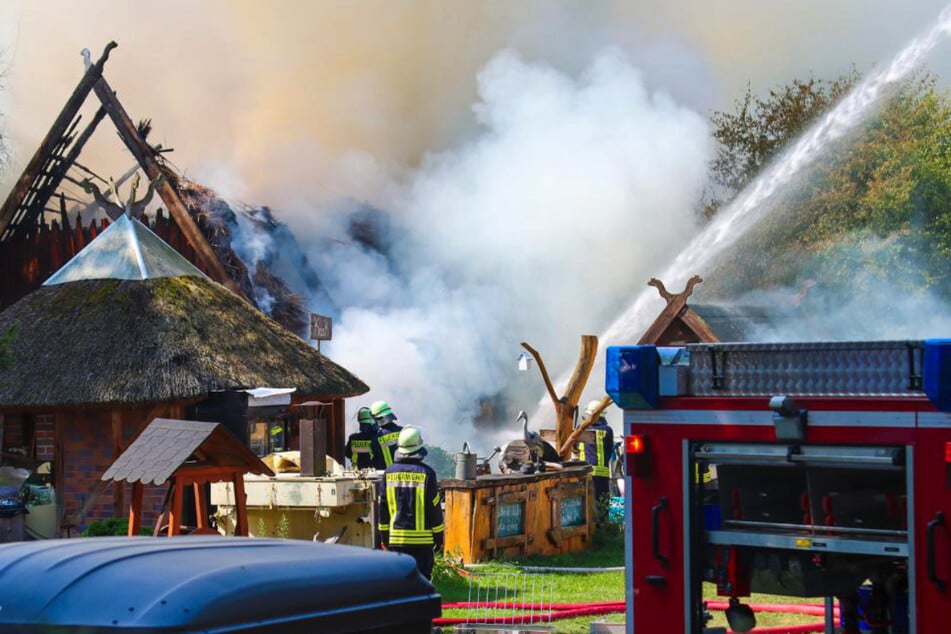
x: 590, y: 408
x: 410, y: 440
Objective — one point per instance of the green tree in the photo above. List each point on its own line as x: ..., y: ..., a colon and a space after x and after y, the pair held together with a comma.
x: 887, y: 185
x: 442, y: 463
x: 760, y: 127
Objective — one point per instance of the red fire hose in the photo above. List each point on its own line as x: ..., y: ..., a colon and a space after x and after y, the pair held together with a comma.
x: 557, y: 611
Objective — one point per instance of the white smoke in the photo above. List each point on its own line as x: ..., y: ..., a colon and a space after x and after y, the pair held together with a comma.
x: 536, y: 229
x: 864, y: 288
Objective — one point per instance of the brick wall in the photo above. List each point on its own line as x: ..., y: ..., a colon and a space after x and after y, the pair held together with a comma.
x: 44, y: 436
x: 86, y: 445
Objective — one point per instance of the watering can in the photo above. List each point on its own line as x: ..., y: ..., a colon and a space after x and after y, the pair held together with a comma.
x: 465, y: 464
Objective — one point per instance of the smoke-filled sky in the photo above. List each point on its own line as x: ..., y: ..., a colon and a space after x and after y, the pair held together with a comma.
x: 539, y: 159
x: 264, y: 95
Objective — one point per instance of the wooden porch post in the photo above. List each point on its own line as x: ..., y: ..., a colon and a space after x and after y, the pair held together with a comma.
x: 175, y: 511
x: 135, y: 509
x: 201, y: 506
x: 240, y: 505
x: 118, y: 487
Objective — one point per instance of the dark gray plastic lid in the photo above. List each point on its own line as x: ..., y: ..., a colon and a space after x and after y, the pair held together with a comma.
x: 209, y: 584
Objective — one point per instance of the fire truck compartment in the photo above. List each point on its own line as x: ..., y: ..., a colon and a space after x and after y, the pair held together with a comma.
x: 805, y: 521
x: 794, y: 469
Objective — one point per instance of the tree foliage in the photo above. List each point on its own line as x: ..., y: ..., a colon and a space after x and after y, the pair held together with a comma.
x: 760, y: 127
x: 442, y: 462
x: 879, y: 200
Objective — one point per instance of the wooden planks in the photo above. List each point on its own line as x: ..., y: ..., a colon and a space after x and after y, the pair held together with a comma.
x: 473, y: 511
x: 52, y: 139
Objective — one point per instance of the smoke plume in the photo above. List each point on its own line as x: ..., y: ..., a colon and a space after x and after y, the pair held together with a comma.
x: 452, y: 200
x: 526, y: 232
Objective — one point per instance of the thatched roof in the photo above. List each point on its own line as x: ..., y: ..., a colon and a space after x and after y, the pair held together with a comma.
x: 113, y: 342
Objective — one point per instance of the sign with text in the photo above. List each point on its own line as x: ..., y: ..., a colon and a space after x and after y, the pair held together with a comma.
x: 321, y: 328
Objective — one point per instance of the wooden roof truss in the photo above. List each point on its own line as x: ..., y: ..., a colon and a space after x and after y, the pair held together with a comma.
x: 62, y: 146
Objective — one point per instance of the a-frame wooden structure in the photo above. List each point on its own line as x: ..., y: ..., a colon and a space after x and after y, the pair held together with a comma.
x: 23, y: 214
x: 678, y: 324
x: 186, y: 454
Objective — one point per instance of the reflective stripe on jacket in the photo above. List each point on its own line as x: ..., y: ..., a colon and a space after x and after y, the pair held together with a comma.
x: 389, y: 441
x: 598, y: 454
x: 409, y: 508
x: 363, y: 449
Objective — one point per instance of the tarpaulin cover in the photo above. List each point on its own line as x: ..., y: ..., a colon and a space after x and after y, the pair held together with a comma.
x: 209, y: 584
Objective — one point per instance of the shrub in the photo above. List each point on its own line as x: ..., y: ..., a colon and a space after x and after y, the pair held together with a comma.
x: 114, y: 526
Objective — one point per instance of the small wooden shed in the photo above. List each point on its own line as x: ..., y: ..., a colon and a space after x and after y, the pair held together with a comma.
x: 186, y: 453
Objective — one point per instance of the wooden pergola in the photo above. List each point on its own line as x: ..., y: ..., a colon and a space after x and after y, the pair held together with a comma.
x: 185, y: 453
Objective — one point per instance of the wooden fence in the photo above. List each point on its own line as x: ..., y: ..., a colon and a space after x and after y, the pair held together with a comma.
x: 27, y: 260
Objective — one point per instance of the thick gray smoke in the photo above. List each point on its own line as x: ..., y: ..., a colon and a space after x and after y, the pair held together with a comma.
x: 536, y: 229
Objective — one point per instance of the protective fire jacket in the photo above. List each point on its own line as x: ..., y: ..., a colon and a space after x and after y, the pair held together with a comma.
x: 410, y: 511
x: 599, y: 453
x: 364, y: 449
x: 388, y: 438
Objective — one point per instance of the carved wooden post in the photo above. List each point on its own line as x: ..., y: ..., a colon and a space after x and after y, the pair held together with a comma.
x: 567, y: 404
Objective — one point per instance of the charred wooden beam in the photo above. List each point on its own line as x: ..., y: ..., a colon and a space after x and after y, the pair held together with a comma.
x: 52, y: 139
x: 145, y: 156
x: 56, y: 176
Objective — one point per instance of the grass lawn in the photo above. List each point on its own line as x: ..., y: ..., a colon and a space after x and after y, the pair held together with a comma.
x: 607, y: 551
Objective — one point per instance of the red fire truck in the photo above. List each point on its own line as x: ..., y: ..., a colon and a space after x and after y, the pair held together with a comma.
x: 805, y: 470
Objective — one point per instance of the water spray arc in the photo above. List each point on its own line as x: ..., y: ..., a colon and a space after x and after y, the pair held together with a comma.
x: 752, y: 204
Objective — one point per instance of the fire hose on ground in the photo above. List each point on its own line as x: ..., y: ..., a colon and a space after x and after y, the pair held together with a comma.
x: 560, y: 611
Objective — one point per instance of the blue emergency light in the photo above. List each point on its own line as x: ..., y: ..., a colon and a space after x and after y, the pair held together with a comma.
x: 937, y: 372
x: 631, y: 378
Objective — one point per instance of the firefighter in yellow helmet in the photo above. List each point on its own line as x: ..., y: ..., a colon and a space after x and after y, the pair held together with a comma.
x: 389, y: 431
x: 410, y: 511
x: 598, y: 454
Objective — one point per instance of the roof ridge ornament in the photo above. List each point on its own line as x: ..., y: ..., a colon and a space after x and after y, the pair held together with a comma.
x: 131, y: 207
x: 671, y: 297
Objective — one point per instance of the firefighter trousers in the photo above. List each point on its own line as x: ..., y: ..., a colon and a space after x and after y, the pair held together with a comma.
x: 422, y: 554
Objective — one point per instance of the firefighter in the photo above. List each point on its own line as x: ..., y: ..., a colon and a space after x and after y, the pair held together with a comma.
x: 598, y: 454
x: 276, y: 432
x: 362, y: 448
x: 389, y: 431
x: 410, y: 514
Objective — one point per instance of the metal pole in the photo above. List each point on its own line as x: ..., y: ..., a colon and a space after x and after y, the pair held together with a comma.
x: 830, y: 615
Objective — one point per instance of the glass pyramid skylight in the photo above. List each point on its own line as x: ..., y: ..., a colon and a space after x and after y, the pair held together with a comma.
x: 126, y: 250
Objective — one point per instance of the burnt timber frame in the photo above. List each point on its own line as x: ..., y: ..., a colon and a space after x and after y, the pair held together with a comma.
x: 43, y: 174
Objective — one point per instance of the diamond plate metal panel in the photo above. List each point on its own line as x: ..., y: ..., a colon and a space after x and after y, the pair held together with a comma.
x: 880, y: 368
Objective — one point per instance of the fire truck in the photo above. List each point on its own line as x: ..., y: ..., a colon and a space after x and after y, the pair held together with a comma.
x: 804, y: 470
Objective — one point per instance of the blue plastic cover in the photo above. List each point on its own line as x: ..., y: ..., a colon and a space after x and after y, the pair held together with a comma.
x: 631, y: 376
x: 209, y: 584
x: 937, y: 372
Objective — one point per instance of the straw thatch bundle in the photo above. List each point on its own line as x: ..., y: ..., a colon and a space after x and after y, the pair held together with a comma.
x: 115, y: 342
